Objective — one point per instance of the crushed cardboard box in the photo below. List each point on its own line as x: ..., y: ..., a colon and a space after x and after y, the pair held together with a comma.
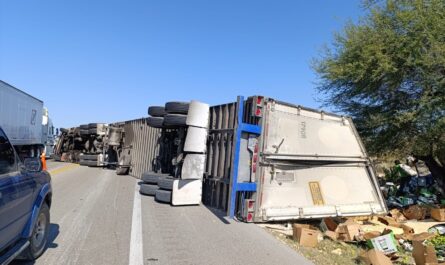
x: 424, y: 254
x: 415, y: 212
x: 397, y: 215
x: 347, y: 231
x: 375, y: 257
x: 438, y: 214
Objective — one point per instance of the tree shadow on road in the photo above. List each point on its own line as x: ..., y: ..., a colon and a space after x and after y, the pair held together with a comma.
x: 52, y: 235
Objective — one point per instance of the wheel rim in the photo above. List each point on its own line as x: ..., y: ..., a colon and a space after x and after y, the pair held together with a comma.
x: 39, y: 230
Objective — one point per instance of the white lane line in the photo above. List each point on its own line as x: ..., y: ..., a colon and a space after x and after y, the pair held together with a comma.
x: 136, y: 252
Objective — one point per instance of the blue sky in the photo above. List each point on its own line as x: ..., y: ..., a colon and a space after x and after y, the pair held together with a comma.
x: 105, y: 61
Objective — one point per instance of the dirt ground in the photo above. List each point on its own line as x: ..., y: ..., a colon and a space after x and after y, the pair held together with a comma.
x: 330, y: 252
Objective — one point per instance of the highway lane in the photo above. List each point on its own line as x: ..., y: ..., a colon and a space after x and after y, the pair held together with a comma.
x: 95, y: 220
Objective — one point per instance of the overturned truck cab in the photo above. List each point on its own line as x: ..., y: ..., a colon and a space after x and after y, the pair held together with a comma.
x: 269, y: 160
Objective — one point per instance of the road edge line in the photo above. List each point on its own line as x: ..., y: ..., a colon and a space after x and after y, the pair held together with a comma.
x: 136, y: 256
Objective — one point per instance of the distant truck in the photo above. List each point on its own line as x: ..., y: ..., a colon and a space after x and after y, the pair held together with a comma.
x: 94, y: 145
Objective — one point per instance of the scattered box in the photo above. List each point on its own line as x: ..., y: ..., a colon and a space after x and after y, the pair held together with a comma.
x: 375, y: 257
x: 438, y: 214
x: 305, y: 235
x: 424, y: 255
x: 385, y: 243
x: 348, y: 231
x: 397, y: 215
x: 388, y: 221
x: 331, y: 234
x: 328, y: 224
x: 415, y: 212
x: 371, y: 235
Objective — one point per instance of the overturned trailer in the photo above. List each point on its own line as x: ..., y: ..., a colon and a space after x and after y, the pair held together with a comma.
x: 269, y: 160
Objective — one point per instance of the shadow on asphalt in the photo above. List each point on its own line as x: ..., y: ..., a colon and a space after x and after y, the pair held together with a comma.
x: 53, y: 233
x: 222, y: 216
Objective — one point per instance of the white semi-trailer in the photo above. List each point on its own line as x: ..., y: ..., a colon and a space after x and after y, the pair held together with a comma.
x: 21, y: 118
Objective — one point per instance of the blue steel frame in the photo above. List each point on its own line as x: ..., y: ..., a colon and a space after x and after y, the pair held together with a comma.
x: 236, y: 187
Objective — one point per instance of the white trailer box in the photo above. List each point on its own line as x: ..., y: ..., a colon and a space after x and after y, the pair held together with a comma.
x: 20, y: 116
x: 271, y: 161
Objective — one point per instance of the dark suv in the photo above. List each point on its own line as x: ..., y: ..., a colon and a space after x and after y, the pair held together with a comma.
x: 25, y: 199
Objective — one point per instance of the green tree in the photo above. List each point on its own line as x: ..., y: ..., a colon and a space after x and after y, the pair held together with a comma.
x: 388, y: 72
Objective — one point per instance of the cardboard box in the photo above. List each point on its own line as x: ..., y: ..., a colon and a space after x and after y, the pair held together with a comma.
x: 305, y: 235
x: 328, y: 224
x: 424, y: 254
x: 371, y: 235
x: 388, y: 221
x: 438, y: 214
x: 375, y: 257
x: 331, y: 234
x: 397, y: 215
x: 415, y: 212
x: 385, y: 243
x: 348, y: 231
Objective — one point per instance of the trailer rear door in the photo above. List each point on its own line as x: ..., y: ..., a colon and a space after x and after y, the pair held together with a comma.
x: 314, y: 165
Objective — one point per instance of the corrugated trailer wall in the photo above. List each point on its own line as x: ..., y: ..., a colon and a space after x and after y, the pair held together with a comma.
x: 144, y: 141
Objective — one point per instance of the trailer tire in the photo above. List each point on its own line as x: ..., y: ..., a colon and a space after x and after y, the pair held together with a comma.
x: 166, y: 183
x: 88, y: 163
x: 156, y: 111
x: 177, y: 107
x: 152, y: 177
x: 88, y: 157
x: 163, y: 196
x: 175, y: 120
x: 148, y: 189
x: 155, y: 122
x: 122, y: 170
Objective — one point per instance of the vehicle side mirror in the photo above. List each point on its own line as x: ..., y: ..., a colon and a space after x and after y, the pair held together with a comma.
x: 32, y: 164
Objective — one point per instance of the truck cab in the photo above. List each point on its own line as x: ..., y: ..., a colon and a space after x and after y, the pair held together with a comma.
x: 25, y: 200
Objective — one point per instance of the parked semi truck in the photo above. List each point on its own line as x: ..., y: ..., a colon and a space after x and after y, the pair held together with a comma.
x: 268, y: 160
x: 25, y: 185
x: 21, y: 118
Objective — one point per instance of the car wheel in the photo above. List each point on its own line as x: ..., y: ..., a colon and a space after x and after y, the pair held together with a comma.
x: 175, y: 120
x: 148, y: 189
x: 156, y: 111
x: 39, y: 237
x: 163, y: 196
x: 177, y: 107
x: 155, y: 122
